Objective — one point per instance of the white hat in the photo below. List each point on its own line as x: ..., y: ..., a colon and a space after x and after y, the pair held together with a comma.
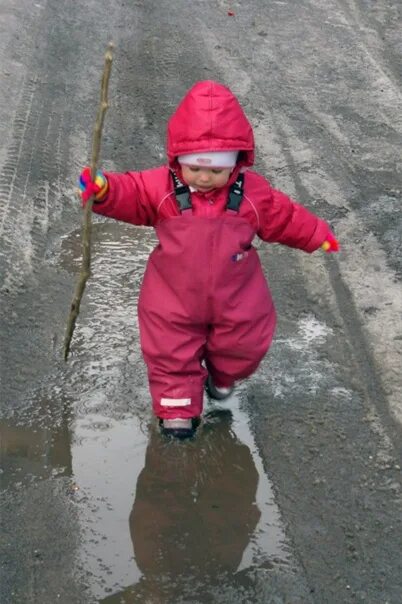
x: 211, y: 159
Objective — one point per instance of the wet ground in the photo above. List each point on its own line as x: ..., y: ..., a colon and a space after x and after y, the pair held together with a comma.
x: 291, y: 491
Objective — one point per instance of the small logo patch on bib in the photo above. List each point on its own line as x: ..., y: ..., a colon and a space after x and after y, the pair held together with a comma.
x: 239, y: 256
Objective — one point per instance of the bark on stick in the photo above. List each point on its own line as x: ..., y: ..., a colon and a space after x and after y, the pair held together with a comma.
x: 85, y: 271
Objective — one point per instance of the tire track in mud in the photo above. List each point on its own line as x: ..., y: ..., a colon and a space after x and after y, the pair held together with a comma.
x: 367, y: 368
x: 47, y: 143
x: 26, y: 188
x: 52, y: 115
x: 10, y: 169
x: 8, y: 174
x: 26, y: 184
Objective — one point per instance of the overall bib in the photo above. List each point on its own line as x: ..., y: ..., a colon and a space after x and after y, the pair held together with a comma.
x: 204, y: 300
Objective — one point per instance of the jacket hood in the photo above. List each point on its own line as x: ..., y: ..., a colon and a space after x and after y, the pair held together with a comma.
x: 209, y: 118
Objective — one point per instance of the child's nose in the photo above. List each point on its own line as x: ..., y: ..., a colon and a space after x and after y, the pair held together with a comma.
x: 204, y: 176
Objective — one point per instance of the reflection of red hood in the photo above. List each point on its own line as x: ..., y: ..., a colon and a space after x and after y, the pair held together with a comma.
x: 209, y: 118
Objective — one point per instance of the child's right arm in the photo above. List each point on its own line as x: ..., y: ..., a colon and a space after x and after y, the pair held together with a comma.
x: 122, y: 196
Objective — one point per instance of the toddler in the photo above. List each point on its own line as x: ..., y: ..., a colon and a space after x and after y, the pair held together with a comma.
x: 206, y: 314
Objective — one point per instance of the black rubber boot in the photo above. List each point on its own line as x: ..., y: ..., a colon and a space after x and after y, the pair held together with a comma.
x: 215, y: 392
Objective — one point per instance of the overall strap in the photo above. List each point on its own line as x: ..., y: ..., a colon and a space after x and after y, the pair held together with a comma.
x: 182, y: 193
x: 236, y: 194
x: 183, y: 197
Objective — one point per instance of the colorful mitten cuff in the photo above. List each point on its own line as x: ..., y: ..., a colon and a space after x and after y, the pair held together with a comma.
x: 330, y: 244
x: 97, y: 188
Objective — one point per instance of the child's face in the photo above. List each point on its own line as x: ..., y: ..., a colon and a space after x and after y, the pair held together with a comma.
x: 205, y: 179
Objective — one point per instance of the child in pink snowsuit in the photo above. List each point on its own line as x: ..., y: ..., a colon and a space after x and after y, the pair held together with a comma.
x: 206, y: 315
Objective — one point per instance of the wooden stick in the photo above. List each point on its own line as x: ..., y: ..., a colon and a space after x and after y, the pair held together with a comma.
x: 85, y: 271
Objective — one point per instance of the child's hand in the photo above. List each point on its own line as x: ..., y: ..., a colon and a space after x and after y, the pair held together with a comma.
x: 330, y: 244
x: 88, y: 187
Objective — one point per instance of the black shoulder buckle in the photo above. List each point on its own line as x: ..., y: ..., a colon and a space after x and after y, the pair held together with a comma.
x: 182, y: 193
x: 236, y: 194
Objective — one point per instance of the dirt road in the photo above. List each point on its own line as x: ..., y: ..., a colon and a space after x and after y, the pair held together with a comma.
x: 292, y: 492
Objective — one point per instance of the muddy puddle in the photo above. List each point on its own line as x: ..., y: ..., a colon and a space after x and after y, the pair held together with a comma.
x: 157, y: 520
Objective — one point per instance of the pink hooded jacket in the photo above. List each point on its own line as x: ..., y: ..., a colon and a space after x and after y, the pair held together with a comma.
x: 209, y: 118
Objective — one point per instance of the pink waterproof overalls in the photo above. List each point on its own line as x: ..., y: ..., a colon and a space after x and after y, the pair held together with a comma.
x: 204, y: 298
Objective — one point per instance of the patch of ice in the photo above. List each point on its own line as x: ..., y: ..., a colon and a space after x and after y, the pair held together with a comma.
x: 309, y: 331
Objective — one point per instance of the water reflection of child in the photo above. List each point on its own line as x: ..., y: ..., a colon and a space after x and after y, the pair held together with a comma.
x: 193, y: 516
x: 204, y: 298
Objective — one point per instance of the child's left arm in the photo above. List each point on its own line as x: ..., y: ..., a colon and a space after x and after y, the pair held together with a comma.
x: 287, y: 222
